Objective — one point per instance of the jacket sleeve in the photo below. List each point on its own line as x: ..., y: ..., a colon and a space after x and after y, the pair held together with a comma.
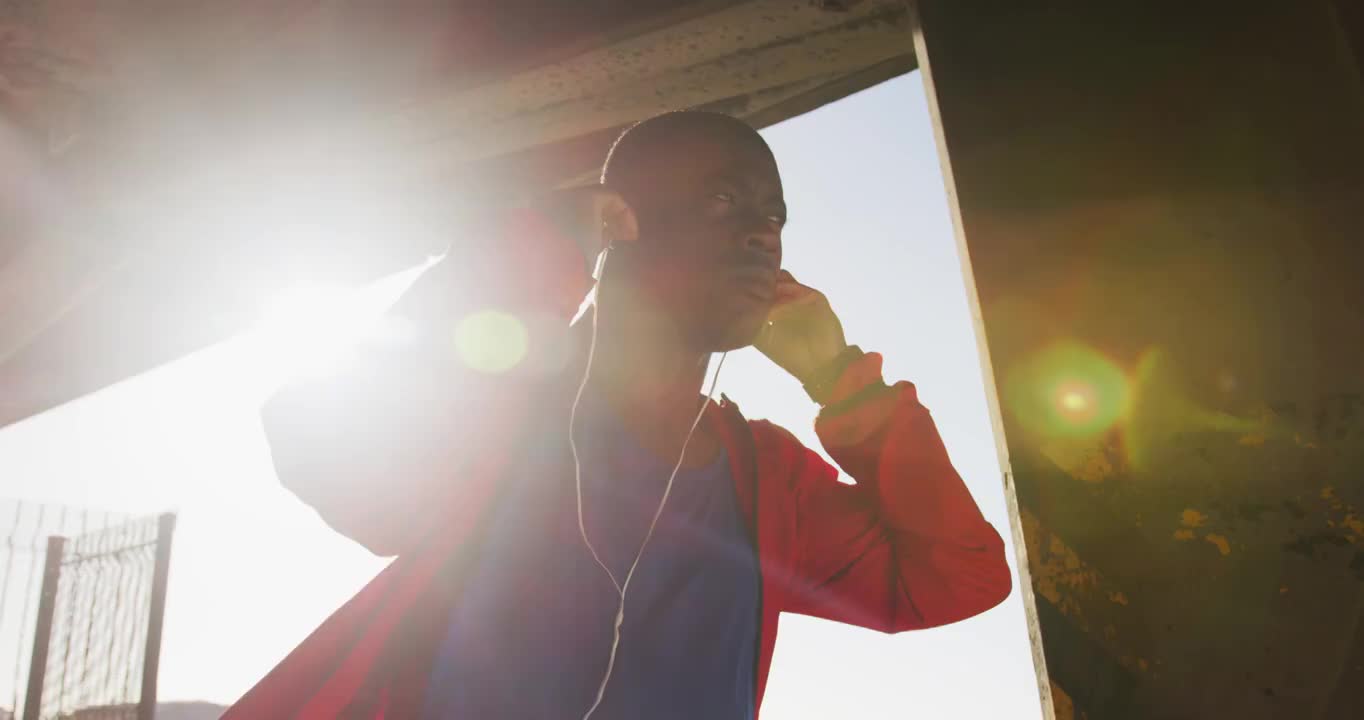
x: 905, y: 547
x: 378, y: 448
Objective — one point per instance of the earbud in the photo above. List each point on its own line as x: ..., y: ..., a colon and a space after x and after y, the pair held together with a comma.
x: 609, y: 243
x: 601, y: 263
x: 608, y: 238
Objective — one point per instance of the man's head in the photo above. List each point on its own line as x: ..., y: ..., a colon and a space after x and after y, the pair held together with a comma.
x: 708, y: 202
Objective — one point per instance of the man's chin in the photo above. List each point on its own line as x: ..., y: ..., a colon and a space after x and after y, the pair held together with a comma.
x: 737, y: 335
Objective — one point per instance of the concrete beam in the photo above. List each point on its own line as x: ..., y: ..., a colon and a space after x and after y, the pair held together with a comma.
x: 210, y: 155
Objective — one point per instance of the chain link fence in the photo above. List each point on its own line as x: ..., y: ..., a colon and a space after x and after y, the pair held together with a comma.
x: 82, y: 595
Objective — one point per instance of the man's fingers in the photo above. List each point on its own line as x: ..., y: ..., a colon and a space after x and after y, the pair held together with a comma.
x: 793, y: 293
x: 788, y: 285
x: 787, y: 293
x: 784, y: 311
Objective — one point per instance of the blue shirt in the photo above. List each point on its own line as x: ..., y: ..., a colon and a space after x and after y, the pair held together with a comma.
x: 531, y: 632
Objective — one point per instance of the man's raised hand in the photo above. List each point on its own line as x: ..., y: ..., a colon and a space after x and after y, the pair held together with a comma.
x: 802, y: 334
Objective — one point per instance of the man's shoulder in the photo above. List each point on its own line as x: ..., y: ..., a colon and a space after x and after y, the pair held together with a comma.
x: 765, y: 434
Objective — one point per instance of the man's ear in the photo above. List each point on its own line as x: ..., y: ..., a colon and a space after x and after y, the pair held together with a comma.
x: 620, y: 225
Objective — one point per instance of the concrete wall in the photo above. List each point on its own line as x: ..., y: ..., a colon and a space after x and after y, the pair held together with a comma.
x: 1163, y: 211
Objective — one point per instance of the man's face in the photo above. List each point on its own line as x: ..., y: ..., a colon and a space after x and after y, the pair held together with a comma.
x: 710, y: 238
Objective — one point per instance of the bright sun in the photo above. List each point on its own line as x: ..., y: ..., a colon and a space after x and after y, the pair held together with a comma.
x: 310, y: 330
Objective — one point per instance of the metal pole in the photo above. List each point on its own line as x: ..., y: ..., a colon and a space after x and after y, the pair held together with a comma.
x: 42, y: 631
x: 146, y: 707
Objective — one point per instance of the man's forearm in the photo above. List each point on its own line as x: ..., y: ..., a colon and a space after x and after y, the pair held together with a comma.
x: 368, y: 448
x: 886, y: 439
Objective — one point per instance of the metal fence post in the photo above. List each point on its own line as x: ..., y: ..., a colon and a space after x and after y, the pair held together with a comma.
x: 146, y: 707
x: 42, y: 631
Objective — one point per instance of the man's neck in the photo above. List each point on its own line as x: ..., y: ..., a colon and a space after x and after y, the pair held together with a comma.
x: 650, y: 378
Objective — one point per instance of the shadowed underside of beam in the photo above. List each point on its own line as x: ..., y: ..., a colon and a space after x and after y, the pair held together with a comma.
x: 166, y: 166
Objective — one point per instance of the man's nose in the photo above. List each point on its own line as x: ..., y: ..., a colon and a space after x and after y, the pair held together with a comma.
x: 763, y: 236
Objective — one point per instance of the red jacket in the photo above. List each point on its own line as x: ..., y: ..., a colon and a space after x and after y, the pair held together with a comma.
x: 404, y: 455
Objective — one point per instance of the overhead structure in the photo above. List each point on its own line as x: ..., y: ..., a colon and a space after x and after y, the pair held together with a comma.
x: 166, y: 166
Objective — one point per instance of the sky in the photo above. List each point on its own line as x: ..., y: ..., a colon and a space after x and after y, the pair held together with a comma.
x: 253, y: 570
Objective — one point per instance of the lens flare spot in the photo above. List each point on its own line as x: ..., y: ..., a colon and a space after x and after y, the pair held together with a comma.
x: 490, y: 341
x: 1164, y: 409
x: 1067, y: 390
x: 1076, y: 400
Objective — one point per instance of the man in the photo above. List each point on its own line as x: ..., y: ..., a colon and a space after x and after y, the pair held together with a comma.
x: 585, y: 535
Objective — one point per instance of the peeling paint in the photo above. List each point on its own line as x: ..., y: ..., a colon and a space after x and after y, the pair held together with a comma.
x: 1062, y: 705
x: 1338, y: 537
x: 1193, y: 518
x: 1089, y: 461
x: 1345, y: 518
x: 1078, y: 592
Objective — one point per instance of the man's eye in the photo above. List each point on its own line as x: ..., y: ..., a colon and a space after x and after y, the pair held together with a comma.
x: 724, y: 197
x: 779, y: 220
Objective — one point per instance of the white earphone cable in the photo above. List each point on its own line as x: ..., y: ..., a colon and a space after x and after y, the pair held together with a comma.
x: 621, y: 587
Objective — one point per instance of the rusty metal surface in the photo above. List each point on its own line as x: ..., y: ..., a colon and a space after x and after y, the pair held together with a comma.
x: 1164, y: 212
x: 150, y: 152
